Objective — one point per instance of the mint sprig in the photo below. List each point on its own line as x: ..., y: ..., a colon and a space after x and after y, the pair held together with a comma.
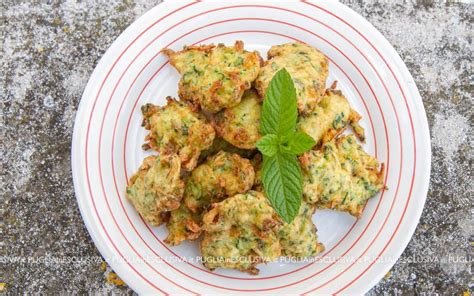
x: 268, y: 144
x: 280, y: 144
x: 298, y: 143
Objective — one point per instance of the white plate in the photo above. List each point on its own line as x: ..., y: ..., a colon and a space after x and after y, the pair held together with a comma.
x: 107, y: 138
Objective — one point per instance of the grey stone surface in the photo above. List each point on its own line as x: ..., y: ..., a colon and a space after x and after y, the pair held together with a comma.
x: 49, y: 49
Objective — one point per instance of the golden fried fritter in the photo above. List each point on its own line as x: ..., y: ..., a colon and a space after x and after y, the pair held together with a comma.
x: 214, y: 77
x: 341, y: 176
x: 299, y: 239
x: 307, y: 66
x: 240, y: 232
x: 221, y: 144
x: 177, y: 129
x: 183, y: 225
x: 221, y: 175
x: 202, y: 189
x: 156, y: 188
x: 257, y: 163
x: 240, y: 125
x: 330, y: 118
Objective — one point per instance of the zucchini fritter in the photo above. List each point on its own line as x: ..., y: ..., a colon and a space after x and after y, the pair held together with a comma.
x: 299, y: 239
x: 214, y: 77
x: 341, y: 176
x: 330, y: 118
x: 224, y: 174
x: 307, y: 66
x: 210, y: 182
x: 240, y: 232
x: 221, y: 144
x: 177, y: 129
x: 183, y: 225
x: 257, y: 163
x: 239, y: 125
x: 156, y: 188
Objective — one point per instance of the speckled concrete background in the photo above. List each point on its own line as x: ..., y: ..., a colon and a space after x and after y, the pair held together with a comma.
x: 49, y: 49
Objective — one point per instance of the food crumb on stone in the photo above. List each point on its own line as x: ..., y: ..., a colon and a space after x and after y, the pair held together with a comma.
x: 113, y: 279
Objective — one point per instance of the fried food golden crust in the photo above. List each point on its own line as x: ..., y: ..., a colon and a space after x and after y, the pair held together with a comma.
x: 239, y: 125
x: 299, y: 239
x: 183, y: 225
x: 330, y: 118
x: 307, y: 66
x: 177, y: 129
x: 240, y: 232
x: 224, y: 174
x: 156, y: 188
x: 257, y: 167
x: 221, y: 144
x: 341, y: 176
x: 214, y: 77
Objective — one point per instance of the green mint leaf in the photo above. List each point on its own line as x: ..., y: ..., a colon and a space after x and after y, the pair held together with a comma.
x: 281, y: 172
x: 283, y: 184
x: 279, y: 111
x: 268, y: 145
x: 298, y: 143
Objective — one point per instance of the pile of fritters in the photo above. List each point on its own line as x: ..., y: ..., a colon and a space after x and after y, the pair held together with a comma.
x: 205, y: 180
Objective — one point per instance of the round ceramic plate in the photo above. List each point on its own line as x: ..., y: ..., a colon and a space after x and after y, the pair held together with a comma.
x: 108, y: 136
